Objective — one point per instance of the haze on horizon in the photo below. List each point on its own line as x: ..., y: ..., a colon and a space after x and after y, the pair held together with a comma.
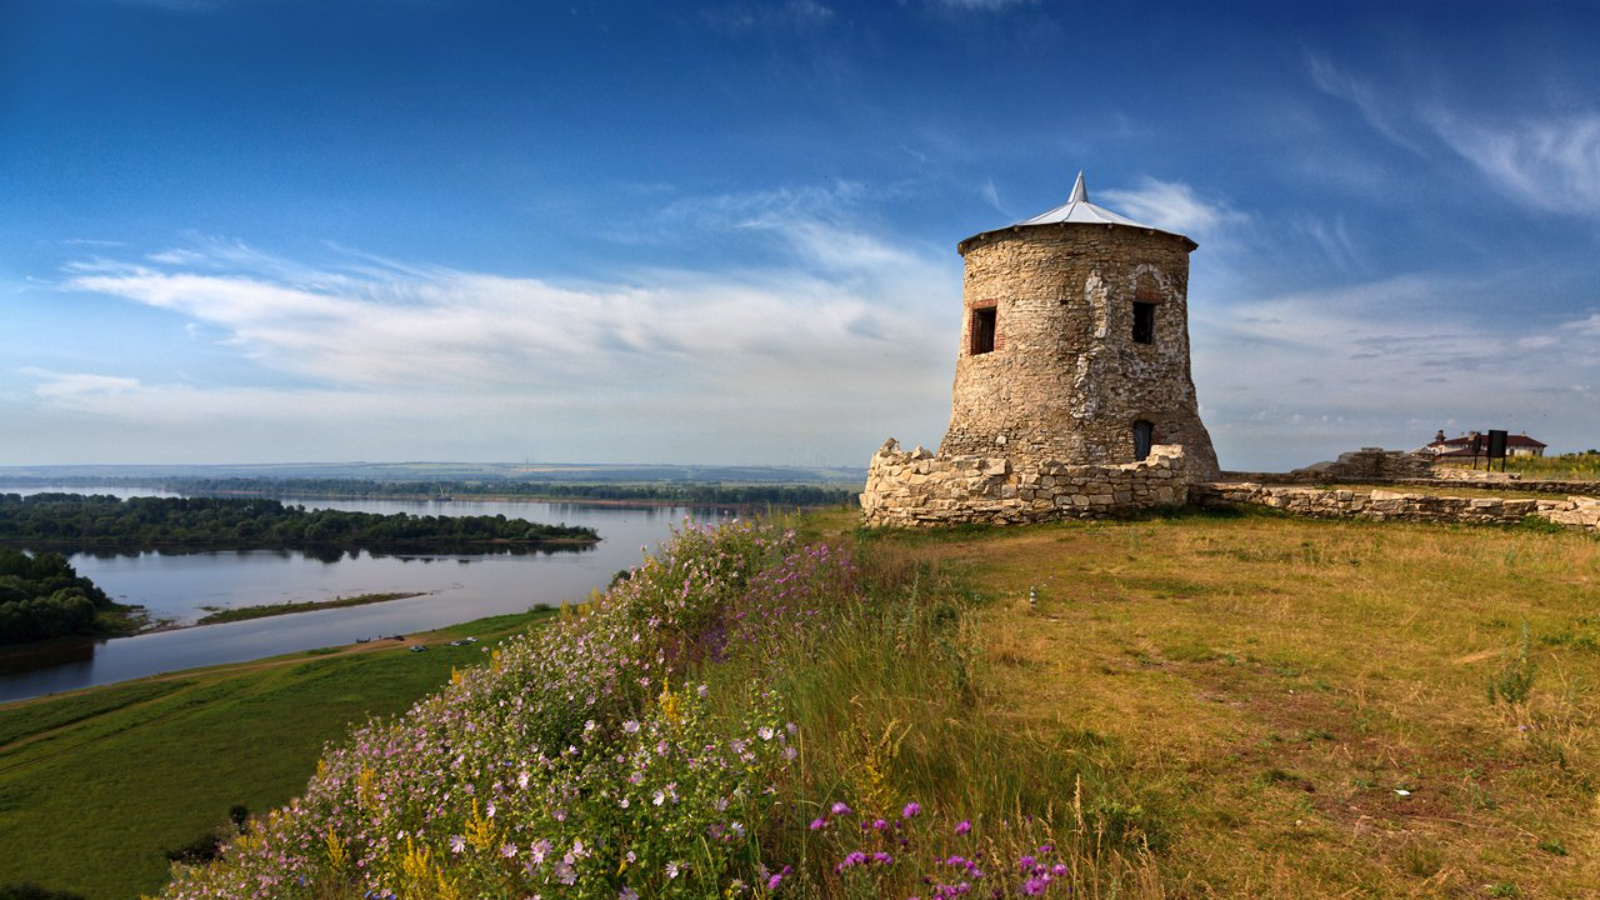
x: 724, y: 232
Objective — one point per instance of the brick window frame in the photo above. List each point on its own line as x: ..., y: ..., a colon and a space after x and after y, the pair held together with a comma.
x: 983, y: 328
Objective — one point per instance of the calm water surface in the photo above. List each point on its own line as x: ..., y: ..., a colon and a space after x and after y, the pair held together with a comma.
x: 458, y: 588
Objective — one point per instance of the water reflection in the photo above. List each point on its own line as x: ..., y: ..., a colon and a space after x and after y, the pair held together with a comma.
x: 177, y: 584
x: 52, y: 654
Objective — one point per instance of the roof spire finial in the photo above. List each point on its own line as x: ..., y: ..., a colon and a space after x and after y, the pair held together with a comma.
x: 1080, y: 191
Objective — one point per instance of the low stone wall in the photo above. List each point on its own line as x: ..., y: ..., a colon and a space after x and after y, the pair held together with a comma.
x: 1456, y: 473
x: 918, y: 489
x: 1575, y: 512
x: 1516, y: 484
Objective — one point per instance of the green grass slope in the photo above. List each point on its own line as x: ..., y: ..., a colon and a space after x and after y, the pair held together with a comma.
x: 95, y: 786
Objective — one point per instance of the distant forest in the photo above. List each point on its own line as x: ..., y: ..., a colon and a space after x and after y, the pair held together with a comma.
x: 673, y: 492
x: 80, y: 521
x: 42, y: 596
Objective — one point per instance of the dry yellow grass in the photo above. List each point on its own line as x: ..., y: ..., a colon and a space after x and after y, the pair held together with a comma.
x: 1306, y: 702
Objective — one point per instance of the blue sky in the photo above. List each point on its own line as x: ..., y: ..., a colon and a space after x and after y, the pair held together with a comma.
x: 724, y: 232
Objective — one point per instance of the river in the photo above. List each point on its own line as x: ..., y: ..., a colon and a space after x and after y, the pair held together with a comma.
x: 458, y: 588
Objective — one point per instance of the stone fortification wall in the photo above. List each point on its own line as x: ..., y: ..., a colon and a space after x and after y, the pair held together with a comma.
x: 1575, y: 512
x: 1065, y: 380
x: 917, y: 489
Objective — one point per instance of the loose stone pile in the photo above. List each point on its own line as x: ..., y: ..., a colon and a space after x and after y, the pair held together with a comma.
x: 916, y: 489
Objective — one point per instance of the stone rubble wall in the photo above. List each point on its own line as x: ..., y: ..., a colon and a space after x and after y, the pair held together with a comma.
x: 1457, y: 473
x: 1573, y: 512
x: 915, y: 488
x: 1369, y: 463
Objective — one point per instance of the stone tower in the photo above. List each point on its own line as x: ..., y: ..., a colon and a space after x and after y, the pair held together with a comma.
x: 1072, y: 397
x: 1075, y: 343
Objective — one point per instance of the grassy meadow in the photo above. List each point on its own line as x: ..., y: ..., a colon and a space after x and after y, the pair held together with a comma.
x: 1561, y: 467
x: 96, y: 785
x: 1195, y: 706
x: 1302, y: 708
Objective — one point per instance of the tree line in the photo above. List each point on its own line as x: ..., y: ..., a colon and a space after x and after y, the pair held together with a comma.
x: 680, y: 493
x: 42, y: 596
x: 81, y: 521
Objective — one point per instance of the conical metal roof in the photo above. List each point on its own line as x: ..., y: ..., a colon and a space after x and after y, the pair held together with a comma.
x: 1079, y: 211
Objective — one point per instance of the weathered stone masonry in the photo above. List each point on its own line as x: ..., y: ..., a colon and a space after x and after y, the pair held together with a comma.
x: 1065, y: 379
x: 1335, y: 503
x: 1072, y: 395
x: 917, y: 489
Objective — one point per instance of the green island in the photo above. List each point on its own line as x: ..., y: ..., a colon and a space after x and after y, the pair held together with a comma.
x: 56, y: 520
x: 1196, y: 704
x: 42, y: 597
x: 216, y: 616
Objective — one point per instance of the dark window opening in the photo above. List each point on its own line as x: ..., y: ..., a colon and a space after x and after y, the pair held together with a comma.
x: 983, y: 326
x: 1144, y: 323
x: 1143, y: 434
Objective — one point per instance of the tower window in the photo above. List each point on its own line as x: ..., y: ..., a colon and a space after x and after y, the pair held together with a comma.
x: 1143, y: 436
x: 1144, y: 323
x: 983, y: 327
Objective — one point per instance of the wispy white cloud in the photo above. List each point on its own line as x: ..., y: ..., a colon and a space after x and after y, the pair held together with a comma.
x: 771, y: 211
x: 1543, y: 159
x: 1299, y: 377
x: 1380, y: 112
x: 848, y: 328
x: 1589, y: 326
x: 77, y: 384
x: 1333, y: 238
x: 1175, y: 206
x: 1548, y: 162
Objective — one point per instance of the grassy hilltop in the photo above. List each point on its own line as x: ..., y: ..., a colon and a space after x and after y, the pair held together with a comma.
x: 1194, y: 706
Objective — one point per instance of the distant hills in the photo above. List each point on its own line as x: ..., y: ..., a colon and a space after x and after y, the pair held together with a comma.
x: 575, y: 473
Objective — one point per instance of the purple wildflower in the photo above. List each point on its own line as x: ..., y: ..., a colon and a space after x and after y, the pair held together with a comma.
x: 911, y: 810
x: 839, y: 809
x: 964, y: 827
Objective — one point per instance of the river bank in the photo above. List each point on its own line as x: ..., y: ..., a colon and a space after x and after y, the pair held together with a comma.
x: 160, y: 760
x: 175, y: 585
x: 245, y: 613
